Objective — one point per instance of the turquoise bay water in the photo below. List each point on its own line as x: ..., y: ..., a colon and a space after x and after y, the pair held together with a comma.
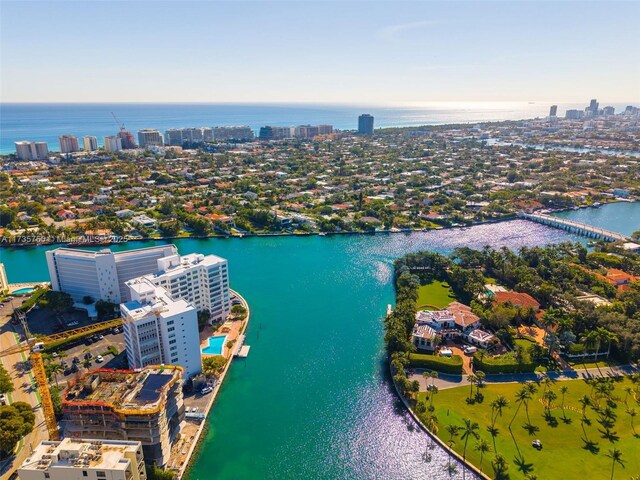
x: 313, y: 399
x: 620, y: 217
x: 215, y: 345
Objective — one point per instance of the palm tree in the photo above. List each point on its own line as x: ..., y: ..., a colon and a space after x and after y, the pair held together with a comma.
x: 54, y: 369
x: 627, y: 391
x: 522, y: 396
x: 472, y: 379
x: 452, y: 430
x: 610, y: 338
x: 483, y: 447
x: 616, y: 457
x: 563, y: 391
x: 432, y: 393
x: 496, y: 408
x: 469, y: 429
x: 549, y: 396
x: 591, y: 341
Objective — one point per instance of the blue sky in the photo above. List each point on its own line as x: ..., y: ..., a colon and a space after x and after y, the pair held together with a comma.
x: 319, y: 51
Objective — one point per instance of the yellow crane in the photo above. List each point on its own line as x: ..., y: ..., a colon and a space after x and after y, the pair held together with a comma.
x: 38, y: 345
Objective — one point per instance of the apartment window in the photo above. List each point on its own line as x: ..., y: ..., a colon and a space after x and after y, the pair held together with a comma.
x: 170, y: 322
x: 84, y: 473
x: 171, y: 329
x: 171, y: 342
x: 46, y: 475
x: 101, y: 474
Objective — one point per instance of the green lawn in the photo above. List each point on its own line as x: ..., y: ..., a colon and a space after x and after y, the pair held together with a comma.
x: 435, y: 294
x: 564, y: 454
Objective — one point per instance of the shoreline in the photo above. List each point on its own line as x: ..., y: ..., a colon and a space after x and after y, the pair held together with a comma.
x: 505, y: 218
x: 196, y: 445
x: 450, y: 451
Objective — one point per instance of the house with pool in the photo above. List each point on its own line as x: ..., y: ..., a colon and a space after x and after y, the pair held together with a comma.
x: 456, y: 322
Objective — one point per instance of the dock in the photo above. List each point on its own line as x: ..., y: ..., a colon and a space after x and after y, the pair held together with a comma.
x: 241, y: 350
x: 579, y: 228
x: 244, y: 352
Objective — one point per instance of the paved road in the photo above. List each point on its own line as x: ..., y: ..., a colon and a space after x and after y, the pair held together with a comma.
x: 451, y: 381
x: 24, y: 392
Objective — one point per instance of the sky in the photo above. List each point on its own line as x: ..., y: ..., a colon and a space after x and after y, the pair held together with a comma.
x: 375, y: 52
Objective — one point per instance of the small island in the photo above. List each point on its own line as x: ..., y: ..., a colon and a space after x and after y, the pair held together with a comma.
x: 522, y: 364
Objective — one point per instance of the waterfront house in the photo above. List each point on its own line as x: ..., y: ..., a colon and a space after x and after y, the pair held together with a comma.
x: 424, y: 337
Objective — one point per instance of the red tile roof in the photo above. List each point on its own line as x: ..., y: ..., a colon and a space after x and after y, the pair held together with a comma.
x: 516, y: 298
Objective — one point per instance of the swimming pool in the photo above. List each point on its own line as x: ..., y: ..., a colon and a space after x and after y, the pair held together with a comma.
x: 22, y: 291
x: 216, y: 345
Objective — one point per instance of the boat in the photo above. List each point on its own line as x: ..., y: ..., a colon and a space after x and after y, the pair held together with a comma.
x: 596, y: 205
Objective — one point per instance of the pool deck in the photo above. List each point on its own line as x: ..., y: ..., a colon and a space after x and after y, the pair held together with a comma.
x: 233, y: 329
x: 19, y: 286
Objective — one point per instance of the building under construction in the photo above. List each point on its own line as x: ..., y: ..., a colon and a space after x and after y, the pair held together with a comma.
x: 137, y: 405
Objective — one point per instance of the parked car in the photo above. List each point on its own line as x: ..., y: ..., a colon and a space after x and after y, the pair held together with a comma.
x: 469, y: 349
x: 87, y: 355
x: 99, y: 359
x: 100, y: 337
x: 3, y: 399
x: 73, y: 324
x: 206, y: 390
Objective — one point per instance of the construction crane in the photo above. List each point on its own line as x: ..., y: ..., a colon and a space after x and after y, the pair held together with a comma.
x: 118, y: 123
x: 38, y: 345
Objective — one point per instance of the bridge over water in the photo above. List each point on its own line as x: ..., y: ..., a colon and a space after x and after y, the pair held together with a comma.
x: 575, y: 227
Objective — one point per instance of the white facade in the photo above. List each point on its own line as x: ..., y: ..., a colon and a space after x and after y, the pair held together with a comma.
x: 90, y: 143
x: 102, y: 274
x: 159, y: 330
x: 150, y: 138
x: 78, y: 459
x: 201, y: 280
x: 68, y: 144
x: 4, y: 283
x: 112, y: 143
x: 32, y: 150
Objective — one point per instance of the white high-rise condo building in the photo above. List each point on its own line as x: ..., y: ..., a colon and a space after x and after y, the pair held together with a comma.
x: 102, y: 274
x: 4, y: 283
x: 160, y: 330
x: 150, y: 138
x: 112, y: 143
x: 68, y: 144
x: 31, y: 150
x: 76, y: 458
x: 203, y: 280
x: 90, y: 143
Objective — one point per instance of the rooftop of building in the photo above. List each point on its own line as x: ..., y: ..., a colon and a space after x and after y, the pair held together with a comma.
x: 516, y: 298
x: 424, y: 331
x: 79, y: 252
x: 151, y: 300
x: 123, y: 390
x: 80, y: 453
x: 176, y: 264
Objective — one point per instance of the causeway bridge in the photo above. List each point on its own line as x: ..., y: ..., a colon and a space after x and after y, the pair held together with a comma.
x: 575, y: 227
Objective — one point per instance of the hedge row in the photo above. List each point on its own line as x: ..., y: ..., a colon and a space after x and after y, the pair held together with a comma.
x: 35, y: 297
x: 451, y: 365
x: 501, y: 365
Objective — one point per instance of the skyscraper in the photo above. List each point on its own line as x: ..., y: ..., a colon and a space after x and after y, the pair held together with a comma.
x: 553, y: 111
x: 26, y: 150
x: 68, y: 144
x: 365, y: 124
x: 112, y: 143
x: 90, y: 143
x: 149, y: 137
x: 127, y: 139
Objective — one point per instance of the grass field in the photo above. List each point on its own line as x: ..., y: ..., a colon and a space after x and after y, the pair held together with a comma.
x: 566, y: 453
x: 435, y: 294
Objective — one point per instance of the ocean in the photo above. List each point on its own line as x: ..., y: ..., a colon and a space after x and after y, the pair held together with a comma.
x: 45, y: 122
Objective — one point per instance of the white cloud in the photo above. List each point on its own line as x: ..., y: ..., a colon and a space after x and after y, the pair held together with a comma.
x: 393, y: 32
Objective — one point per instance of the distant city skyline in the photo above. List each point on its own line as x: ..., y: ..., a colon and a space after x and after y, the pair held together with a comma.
x: 356, y: 52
